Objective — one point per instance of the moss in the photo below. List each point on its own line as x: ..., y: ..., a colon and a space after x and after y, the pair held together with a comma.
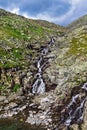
x: 16, y: 87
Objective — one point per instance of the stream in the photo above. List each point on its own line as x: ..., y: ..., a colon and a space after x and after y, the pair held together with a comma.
x: 22, y: 108
x: 39, y: 85
x: 41, y: 113
x: 74, y: 111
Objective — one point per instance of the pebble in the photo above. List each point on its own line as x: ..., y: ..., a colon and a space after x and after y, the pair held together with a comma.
x: 12, y: 105
x: 6, y: 101
x: 42, y: 117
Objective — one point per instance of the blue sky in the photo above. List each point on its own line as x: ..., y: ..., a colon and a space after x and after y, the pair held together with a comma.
x: 60, y: 12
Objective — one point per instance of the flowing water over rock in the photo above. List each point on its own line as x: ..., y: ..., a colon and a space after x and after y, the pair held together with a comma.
x: 39, y: 85
x: 21, y: 107
x: 43, y: 113
x: 74, y: 111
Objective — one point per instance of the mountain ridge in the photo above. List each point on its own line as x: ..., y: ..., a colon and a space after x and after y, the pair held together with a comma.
x: 56, y: 26
x: 41, y: 22
x: 77, y: 23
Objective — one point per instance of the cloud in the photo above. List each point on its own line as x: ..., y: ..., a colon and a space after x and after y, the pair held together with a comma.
x: 77, y: 9
x: 58, y: 11
x: 15, y: 10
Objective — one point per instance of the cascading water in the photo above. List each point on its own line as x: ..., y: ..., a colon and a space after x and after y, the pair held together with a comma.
x: 74, y: 111
x: 39, y: 86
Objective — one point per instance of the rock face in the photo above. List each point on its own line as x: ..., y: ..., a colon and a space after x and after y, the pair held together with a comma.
x: 35, y: 54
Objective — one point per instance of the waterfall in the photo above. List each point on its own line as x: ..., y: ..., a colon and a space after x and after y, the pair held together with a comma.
x: 74, y: 110
x: 39, y: 85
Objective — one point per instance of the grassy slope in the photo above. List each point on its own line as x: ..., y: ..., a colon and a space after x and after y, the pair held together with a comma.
x: 78, y: 37
x: 70, y: 64
x: 16, y: 33
x: 21, y: 39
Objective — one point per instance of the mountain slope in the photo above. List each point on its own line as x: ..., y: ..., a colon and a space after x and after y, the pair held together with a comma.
x: 16, y: 33
x: 82, y: 21
x: 62, y: 68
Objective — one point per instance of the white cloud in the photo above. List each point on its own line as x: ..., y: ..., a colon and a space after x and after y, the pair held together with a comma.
x: 25, y: 14
x: 15, y: 10
x: 77, y: 9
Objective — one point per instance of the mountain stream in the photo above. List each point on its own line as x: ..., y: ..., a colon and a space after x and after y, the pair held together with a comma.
x: 39, y: 85
x: 74, y: 111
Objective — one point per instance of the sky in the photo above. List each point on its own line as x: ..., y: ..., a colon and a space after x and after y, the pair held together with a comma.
x: 61, y: 12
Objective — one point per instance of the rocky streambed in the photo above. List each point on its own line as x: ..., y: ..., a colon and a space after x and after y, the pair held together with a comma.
x: 42, y: 108
x: 45, y: 111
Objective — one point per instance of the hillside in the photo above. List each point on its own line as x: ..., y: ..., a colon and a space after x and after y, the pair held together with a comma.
x: 18, y: 33
x: 82, y: 21
x: 43, y: 73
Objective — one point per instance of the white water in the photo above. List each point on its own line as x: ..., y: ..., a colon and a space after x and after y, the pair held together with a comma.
x: 52, y: 41
x: 84, y: 86
x: 75, y: 116
x: 74, y: 110
x: 44, y: 51
x: 39, y: 86
x: 73, y: 100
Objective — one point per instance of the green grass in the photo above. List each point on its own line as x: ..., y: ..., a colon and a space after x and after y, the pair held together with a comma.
x: 78, y: 46
x: 16, y: 87
x: 15, y: 33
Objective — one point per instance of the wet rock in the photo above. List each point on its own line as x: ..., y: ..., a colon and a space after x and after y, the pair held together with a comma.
x: 84, y: 125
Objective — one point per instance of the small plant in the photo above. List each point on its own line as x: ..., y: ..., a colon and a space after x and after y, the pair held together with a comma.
x: 16, y: 87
